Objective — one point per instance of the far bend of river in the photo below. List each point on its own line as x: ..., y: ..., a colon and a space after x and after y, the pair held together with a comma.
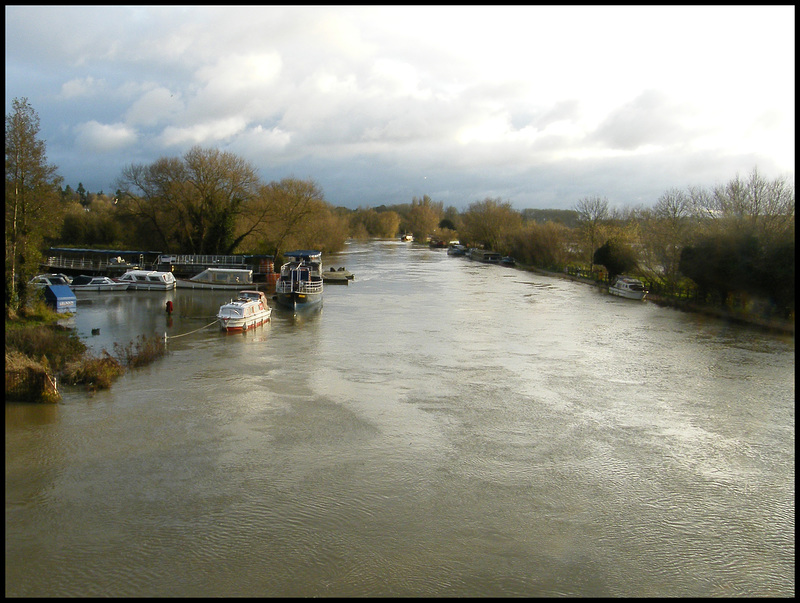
x: 441, y: 428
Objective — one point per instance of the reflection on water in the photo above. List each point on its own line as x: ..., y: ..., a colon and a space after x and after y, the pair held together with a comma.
x: 440, y: 428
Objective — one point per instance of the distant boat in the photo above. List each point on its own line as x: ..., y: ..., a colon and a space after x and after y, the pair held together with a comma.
x: 407, y: 238
x: 300, y: 282
x: 456, y: 249
x: 630, y: 288
x: 248, y: 311
x: 337, y: 277
x: 219, y: 278
x: 148, y: 280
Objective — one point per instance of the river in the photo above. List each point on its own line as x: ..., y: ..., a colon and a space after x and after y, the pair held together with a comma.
x: 441, y: 427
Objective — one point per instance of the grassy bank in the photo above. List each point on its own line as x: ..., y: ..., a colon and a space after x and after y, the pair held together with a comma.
x: 40, y: 352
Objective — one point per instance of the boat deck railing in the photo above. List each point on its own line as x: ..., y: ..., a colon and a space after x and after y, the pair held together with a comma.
x: 86, y: 264
x: 302, y: 286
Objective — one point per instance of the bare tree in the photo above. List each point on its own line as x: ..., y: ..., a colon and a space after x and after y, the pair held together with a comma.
x: 491, y: 223
x: 592, y: 212
x: 666, y: 229
x: 194, y: 203
x: 424, y: 217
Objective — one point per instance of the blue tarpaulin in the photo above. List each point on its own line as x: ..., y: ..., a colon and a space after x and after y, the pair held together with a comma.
x: 61, y: 297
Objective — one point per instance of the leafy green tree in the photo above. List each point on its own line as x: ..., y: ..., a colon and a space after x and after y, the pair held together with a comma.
x: 617, y: 257
x: 82, y: 194
x: 33, y: 190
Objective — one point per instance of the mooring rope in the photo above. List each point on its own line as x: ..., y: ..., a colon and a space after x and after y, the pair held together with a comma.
x: 189, y: 333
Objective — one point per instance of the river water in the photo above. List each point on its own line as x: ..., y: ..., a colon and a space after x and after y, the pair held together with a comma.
x: 440, y: 427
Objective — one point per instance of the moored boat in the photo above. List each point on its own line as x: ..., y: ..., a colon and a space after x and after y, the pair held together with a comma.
x: 248, y: 311
x: 300, y: 282
x: 98, y: 284
x: 341, y: 276
x: 148, y: 280
x: 456, y: 249
x: 41, y: 281
x: 628, y: 287
x: 218, y: 278
x: 484, y: 255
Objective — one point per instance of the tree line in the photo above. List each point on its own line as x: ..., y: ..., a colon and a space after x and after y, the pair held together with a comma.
x: 733, y: 240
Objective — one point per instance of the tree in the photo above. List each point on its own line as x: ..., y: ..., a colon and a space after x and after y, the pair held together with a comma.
x: 33, y: 190
x: 666, y: 229
x: 82, y: 195
x: 491, y: 223
x: 193, y: 204
x: 592, y: 212
x: 423, y: 217
x: 617, y: 257
x: 290, y: 205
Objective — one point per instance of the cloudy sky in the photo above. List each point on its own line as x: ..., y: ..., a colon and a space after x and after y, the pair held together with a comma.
x: 538, y: 106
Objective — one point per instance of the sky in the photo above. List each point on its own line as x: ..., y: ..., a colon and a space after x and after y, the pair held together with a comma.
x: 538, y: 106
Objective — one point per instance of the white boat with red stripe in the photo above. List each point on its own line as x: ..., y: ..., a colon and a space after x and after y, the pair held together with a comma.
x: 248, y: 311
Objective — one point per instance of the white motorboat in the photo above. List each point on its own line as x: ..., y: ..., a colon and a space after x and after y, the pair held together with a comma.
x: 247, y: 311
x: 97, y: 283
x: 218, y: 278
x: 148, y: 280
x: 628, y: 287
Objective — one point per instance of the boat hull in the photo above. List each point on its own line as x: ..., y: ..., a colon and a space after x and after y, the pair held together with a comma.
x: 296, y: 301
x: 626, y: 294
x: 187, y: 284
x: 240, y: 325
x: 100, y: 288
x: 151, y: 287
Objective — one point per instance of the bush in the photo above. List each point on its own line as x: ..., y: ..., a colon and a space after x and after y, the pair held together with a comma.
x: 58, y: 344
x: 96, y: 373
x: 141, y: 352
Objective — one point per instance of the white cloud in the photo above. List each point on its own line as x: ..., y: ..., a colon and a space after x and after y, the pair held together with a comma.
x: 81, y: 87
x: 587, y: 94
x: 154, y: 106
x: 206, y: 133
x: 96, y: 137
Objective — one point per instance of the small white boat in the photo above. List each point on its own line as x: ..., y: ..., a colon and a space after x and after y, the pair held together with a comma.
x: 628, y: 287
x: 247, y: 311
x: 97, y: 283
x: 148, y: 280
x: 218, y: 278
x: 407, y: 238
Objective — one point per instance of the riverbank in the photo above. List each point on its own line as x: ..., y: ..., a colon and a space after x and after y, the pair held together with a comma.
x: 785, y: 327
